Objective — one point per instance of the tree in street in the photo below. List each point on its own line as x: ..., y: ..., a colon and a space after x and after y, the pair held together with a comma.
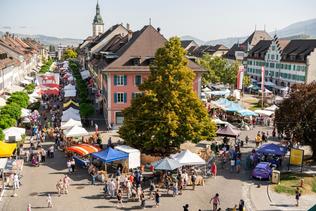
x: 169, y: 112
x: 70, y: 54
x: 296, y: 116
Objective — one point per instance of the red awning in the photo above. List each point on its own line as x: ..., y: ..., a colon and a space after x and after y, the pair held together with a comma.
x: 83, y: 149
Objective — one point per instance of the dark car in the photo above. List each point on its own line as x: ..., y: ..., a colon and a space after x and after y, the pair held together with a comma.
x: 263, y: 170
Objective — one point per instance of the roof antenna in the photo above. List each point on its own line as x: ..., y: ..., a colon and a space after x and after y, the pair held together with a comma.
x: 150, y: 21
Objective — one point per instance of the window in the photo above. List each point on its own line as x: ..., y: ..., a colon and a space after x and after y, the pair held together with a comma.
x: 272, y: 57
x: 119, y: 118
x: 135, y: 94
x: 120, y: 97
x: 138, y: 80
x: 272, y: 65
x: 289, y: 66
x: 120, y: 80
x: 277, y: 57
x: 273, y: 47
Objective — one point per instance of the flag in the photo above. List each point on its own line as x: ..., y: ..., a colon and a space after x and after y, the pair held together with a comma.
x: 240, y: 77
x: 262, y: 79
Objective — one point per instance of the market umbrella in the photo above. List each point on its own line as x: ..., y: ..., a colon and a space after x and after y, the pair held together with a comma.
x: 14, y: 133
x: 167, y: 164
x: 228, y: 131
x: 7, y: 150
x: 272, y: 149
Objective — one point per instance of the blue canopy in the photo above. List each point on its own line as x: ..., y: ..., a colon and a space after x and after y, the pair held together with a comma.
x: 110, y: 155
x: 272, y: 149
x: 247, y: 112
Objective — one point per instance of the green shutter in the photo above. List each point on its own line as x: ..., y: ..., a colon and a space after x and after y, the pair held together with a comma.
x: 115, y: 97
x: 125, y: 80
x: 125, y: 97
x: 115, y: 80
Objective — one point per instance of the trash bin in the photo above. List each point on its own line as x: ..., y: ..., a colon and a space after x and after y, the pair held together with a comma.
x: 275, y: 177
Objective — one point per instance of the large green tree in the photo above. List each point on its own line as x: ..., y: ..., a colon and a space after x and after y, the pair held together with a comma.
x: 296, y: 116
x: 169, y: 112
x: 69, y: 54
x: 218, y: 70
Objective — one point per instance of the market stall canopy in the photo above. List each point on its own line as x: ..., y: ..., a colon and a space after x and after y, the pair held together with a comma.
x: 14, y: 133
x: 68, y: 116
x: 70, y: 111
x: 7, y: 150
x: 83, y: 149
x: 228, y: 131
x: 264, y: 112
x: 189, y: 158
x: 15, y: 88
x: 224, y: 93
x: 70, y: 102
x: 272, y: 108
x: 71, y: 123
x: 29, y: 78
x: 85, y: 74
x: 247, y: 112
x: 35, y: 93
x: 25, y: 82
x: 272, y: 149
x: 167, y: 164
x: 3, y: 163
x: 71, y: 106
x: 70, y: 87
x: 133, y: 155
x: 234, y: 107
x: 70, y: 93
x: 76, y: 131
x: 25, y: 112
x: 3, y: 102
x: 109, y: 155
x: 206, y: 89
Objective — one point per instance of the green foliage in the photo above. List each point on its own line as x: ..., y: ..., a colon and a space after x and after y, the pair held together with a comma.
x: 86, y: 109
x: 13, y: 110
x: 2, y: 136
x: 218, y: 70
x: 296, y: 116
x: 6, y: 121
x: 70, y: 54
x: 46, y: 67
x: 20, y: 98
x: 169, y: 112
x: 30, y: 88
x: 246, y: 80
x: 34, y: 106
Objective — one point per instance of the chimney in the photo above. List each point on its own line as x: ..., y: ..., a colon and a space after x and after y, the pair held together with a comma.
x: 127, y: 26
x: 158, y: 29
x: 129, y: 35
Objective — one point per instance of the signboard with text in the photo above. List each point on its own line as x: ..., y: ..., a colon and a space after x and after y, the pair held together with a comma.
x: 296, y: 157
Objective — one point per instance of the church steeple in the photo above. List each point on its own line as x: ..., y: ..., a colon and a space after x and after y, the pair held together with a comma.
x: 97, y: 25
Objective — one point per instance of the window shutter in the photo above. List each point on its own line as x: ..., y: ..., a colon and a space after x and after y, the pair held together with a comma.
x: 125, y: 80
x: 115, y: 80
x: 115, y: 97
x: 125, y: 97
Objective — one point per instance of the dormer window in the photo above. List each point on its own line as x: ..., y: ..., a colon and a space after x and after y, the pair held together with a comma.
x: 136, y: 61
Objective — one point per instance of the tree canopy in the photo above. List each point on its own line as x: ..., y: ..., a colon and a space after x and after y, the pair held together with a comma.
x: 70, y: 54
x: 218, y: 70
x: 169, y: 112
x: 296, y: 116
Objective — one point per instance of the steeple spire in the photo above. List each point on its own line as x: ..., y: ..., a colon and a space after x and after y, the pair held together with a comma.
x: 97, y: 25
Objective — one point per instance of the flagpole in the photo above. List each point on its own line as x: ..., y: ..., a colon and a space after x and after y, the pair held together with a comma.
x: 262, y: 86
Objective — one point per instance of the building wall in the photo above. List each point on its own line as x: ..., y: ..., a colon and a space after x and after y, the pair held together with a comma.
x: 97, y: 29
x: 311, y: 67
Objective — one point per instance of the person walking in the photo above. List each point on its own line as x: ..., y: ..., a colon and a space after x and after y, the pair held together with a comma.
x: 29, y: 207
x: 238, y: 164
x: 214, y: 170
x: 215, y: 201
x: 16, y: 182
x: 73, y: 165
x: 119, y: 198
x: 49, y: 201
x: 69, y: 166
x: 157, y: 197
x: 297, y: 196
x: 241, y: 205
x: 66, y: 182
x: 247, y: 139
x: 186, y: 207
x: 143, y: 200
x: 59, y: 186
x: 232, y: 165
x: 193, y: 180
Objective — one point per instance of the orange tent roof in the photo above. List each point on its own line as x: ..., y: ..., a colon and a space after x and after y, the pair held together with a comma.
x: 83, y: 149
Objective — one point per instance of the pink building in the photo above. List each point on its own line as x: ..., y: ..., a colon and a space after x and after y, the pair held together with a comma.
x: 125, y: 65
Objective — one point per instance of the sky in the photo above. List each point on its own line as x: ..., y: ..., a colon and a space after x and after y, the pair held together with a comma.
x: 204, y: 19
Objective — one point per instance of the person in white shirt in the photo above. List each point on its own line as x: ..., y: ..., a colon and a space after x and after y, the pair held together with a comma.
x: 16, y: 182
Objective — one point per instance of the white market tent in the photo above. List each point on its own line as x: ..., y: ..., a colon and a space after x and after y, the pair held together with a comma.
x: 25, y: 82
x: 76, y: 131
x: 189, y: 158
x: 14, y: 133
x: 33, y: 100
x: 85, y: 74
x: 264, y: 112
x: 15, y: 88
x: 3, y: 102
x: 70, y: 111
x: 206, y: 89
x: 35, y: 94
x: 70, y: 87
x: 70, y: 93
x: 69, y: 116
x: 71, y: 123
x: 25, y: 112
x: 29, y: 78
x: 133, y: 155
x: 272, y: 108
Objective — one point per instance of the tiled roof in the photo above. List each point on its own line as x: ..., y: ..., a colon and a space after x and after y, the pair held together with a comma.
x: 259, y: 51
x: 298, y: 50
x: 256, y: 36
x: 231, y: 52
x: 186, y: 43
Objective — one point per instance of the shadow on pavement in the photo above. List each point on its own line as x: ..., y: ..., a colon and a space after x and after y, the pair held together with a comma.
x: 98, y: 196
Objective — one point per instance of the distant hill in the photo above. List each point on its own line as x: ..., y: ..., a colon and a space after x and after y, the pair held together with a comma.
x: 299, y: 30
x: 49, y: 40
x: 188, y: 37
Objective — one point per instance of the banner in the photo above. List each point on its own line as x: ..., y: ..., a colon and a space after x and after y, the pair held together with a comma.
x: 47, y: 78
x: 296, y: 157
x: 240, y: 77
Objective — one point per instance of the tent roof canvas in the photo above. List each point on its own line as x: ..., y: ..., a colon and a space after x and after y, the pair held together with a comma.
x: 16, y: 132
x: 272, y: 108
x: 110, y: 155
x: 68, y: 116
x: 70, y: 87
x: 71, y: 123
x: 76, y: 131
x: 189, y: 158
x: 6, y: 150
x: 167, y: 164
x: 227, y: 131
x: 272, y: 149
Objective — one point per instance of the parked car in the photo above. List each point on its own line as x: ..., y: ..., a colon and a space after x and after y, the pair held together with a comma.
x: 263, y: 170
